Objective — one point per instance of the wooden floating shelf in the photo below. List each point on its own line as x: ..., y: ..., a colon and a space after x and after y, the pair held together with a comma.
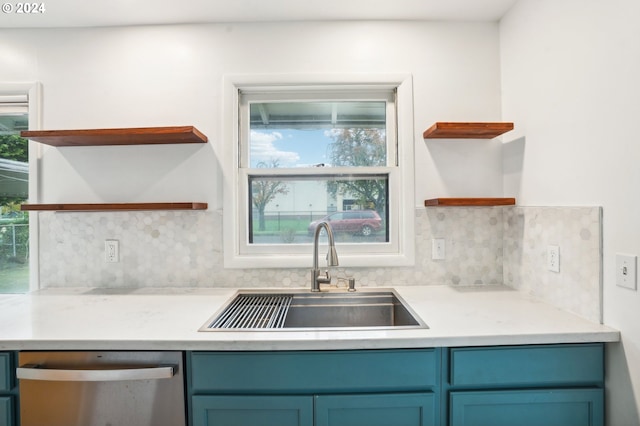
x: 113, y: 207
x: 124, y: 136
x: 453, y: 130
x: 477, y: 202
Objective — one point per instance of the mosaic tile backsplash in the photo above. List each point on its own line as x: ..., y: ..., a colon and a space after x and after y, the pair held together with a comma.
x: 528, y: 231
x: 484, y: 246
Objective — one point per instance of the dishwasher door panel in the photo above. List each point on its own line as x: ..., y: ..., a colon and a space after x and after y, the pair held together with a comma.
x: 75, y: 396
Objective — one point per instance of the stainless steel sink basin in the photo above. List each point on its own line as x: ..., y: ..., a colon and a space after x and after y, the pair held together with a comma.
x: 269, y: 310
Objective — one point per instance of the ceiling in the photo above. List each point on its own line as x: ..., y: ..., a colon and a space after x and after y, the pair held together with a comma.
x: 96, y: 13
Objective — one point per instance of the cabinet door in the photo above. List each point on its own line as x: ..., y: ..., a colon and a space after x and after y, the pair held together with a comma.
x: 252, y: 410
x: 578, y: 365
x: 6, y: 372
x: 6, y: 411
x: 409, y: 409
x: 548, y: 407
x: 311, y: 372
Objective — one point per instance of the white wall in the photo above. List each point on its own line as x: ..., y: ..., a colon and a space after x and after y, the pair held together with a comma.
x: 570, y: 82
x: 172, y: 75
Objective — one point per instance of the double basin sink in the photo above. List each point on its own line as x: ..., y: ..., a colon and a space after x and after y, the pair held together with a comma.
x: 304, y: 310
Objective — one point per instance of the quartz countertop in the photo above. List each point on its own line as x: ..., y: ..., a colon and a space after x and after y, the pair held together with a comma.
x: 169, y: 319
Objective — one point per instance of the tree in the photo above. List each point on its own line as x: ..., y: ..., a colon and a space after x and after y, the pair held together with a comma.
x: 13, y: 147
x: 359, y: 147
x: 264, y: 190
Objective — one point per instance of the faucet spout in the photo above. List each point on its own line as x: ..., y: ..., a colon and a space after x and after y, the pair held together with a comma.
x: 332, y: 257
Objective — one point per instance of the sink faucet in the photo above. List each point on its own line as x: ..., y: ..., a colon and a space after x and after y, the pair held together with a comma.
x: 332, y: 257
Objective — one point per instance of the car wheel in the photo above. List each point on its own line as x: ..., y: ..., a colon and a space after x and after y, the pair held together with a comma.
x: 366, y: 230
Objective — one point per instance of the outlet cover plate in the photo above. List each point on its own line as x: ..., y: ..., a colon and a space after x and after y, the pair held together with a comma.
x: 111, y: 251
x: 626, y: 272
x: 437, y: 249
x: 553, y: 258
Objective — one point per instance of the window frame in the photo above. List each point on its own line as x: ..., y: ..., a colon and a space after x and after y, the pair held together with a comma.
x: 398, y: 252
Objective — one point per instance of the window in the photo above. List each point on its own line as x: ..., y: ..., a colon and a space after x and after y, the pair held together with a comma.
x: 14, y: 189
x: 339, y: 152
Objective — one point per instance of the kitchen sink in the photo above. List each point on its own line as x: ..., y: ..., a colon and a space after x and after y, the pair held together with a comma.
x: 286, y: 310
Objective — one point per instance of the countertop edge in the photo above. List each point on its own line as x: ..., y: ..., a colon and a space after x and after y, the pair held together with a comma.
x: 156, y: 320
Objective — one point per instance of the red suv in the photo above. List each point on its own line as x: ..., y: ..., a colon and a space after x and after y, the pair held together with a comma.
x: 363, y: 222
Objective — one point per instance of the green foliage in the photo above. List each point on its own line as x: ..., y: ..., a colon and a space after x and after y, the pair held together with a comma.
x: 13, y: 147
x: 7, y: 203
x: 357, y: 147
x: 12, y: 209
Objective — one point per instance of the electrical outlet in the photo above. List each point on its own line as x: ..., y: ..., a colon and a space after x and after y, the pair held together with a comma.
x: 553, y: 258
x: 111, y: 251
x: 626, y: 271
x: 437, y: 249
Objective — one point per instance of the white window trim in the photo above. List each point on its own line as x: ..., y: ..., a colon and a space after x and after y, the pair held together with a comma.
x: 401, y: 201
x: 33, y: 91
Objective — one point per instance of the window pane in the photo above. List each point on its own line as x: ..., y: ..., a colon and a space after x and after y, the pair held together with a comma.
x: 285, y: 209
x: 14, y: 224
x: 320, y: 134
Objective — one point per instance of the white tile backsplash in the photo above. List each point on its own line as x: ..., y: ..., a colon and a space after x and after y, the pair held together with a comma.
x: 484, y: 246
x: 528, y: 231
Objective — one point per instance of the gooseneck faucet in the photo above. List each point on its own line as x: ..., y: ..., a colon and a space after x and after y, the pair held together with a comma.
x: 332, y: 257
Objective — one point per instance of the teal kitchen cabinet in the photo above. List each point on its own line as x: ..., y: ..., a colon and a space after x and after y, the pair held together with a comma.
x: 6, y: 411
x: 8, y: 393
x: 329, y: 388
x: 263, y: 410
x: 397, y: 409
x: 548, y: 407
x: 526, y: 385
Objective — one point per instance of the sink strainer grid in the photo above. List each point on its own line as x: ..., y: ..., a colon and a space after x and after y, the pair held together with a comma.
x: 255, y: 311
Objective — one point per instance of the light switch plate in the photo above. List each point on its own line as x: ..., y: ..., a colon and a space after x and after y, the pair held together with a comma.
x: 437, y: 249
x: 626, y: 271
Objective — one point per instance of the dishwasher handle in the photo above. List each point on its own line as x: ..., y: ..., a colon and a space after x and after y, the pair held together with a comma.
x: 38, y: 372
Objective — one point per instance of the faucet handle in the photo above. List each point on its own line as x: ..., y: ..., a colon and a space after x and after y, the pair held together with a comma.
x: 324, y: 277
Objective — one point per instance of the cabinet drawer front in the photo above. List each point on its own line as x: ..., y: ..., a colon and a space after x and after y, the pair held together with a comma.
x: 314, y: 371
x: 6, y: 411
x: 252, y: 410
x: 403, y: 409
x: 528, y: 365
x: 6, y: 374
x: 549, y: 407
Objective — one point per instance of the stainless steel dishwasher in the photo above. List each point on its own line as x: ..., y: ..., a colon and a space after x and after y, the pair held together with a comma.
x: 108, y: 388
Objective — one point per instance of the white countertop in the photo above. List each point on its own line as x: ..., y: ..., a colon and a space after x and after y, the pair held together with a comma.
x: 169, y: 319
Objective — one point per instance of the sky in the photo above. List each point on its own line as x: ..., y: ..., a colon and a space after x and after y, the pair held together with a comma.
x: 290, y: 147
